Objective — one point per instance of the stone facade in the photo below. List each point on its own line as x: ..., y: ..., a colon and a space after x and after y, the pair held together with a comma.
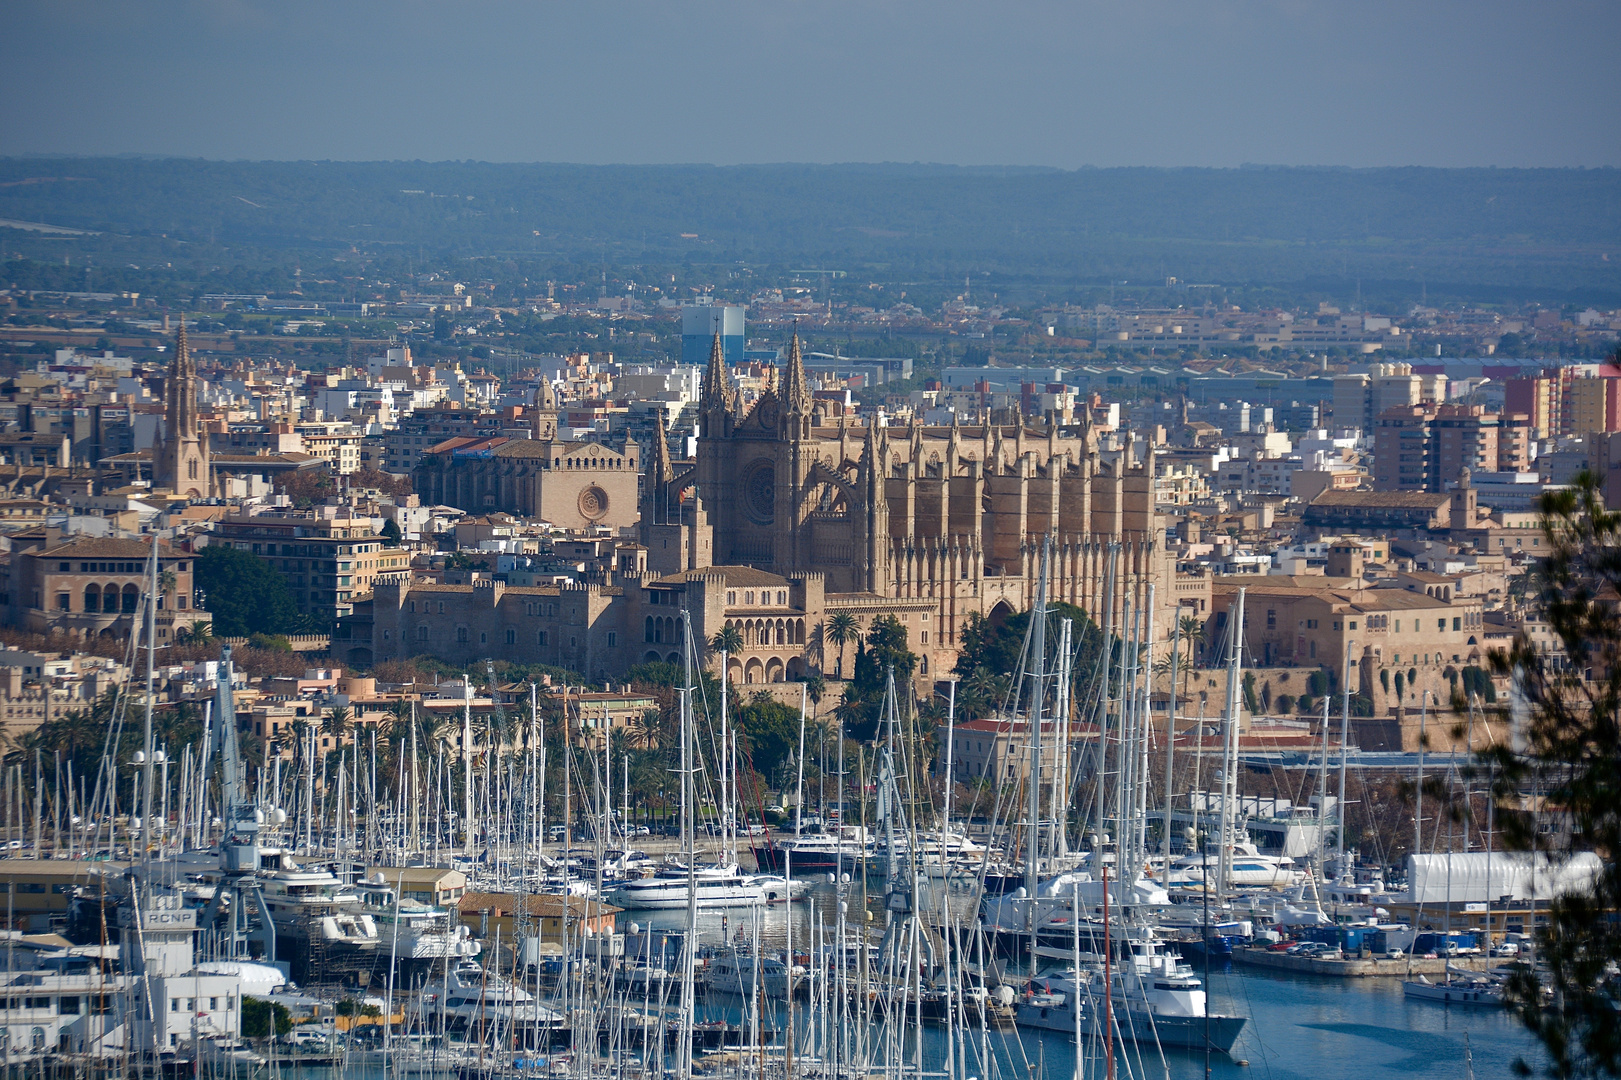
x: 784, y: 519
x: 570, y: 484
x: 180, y: 461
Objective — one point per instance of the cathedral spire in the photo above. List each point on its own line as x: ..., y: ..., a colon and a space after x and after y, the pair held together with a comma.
x: 795, y: 387
x: 663, y: 470
x: 180, y: 389
x: 717, y: 386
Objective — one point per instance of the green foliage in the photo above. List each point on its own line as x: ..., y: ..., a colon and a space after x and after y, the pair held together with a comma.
x: 260, y: 1016
x: 770, y: 730
x: 1251, y: 702
x: 347, y: 1007
x: 391, y: 533
x: 1479, y: 683
x: 1307, y: 704
x: 270, y: 642
x: 1568, y: 752
x: 1284, y: 704
x: 1317, y: 683
x: 990, y: 654
x: 245, y: 595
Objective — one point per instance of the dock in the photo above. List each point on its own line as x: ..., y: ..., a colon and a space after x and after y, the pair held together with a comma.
x: 1357, y: 967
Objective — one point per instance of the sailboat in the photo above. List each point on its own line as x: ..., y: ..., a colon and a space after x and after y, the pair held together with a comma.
x: 719, y: 884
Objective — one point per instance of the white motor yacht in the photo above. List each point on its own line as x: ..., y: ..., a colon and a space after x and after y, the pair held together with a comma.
x: 481, y: 1006
x: 412, y: 930
x: 742, y: 973
x: 716, y: 886
x: 1250, y: 868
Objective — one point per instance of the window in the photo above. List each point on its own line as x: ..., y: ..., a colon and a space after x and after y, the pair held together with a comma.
x: 782, y: 596
x: 483, y: 638
x: 1440, y: 624
x: 1457, y: 624
x: 512, y: 637
x: 422, y: 632
x: 1353, y: 624
x: 731, y: 597
x: 613, y: 639
x: 441, y: 607
x: 63, y: 602
x: 923, y: 636
x: 748, y: 597
x: 540, y: 638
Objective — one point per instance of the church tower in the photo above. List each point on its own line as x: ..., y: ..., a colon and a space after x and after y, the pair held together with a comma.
x: 180, y: 462
x: 543, y: 414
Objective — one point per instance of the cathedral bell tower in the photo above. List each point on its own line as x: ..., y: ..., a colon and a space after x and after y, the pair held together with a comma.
x: 180, y: 462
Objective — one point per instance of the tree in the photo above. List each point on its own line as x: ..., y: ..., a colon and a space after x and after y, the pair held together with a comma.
x: 336, y: 723
x: 391, y: 533
x: 728, y: 639
x: 840, y: 630
x: 1566, y: 774
x: 245, y: 595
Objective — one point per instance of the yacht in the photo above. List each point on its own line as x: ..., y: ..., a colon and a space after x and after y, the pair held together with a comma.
x: 305, y: 902
x: 1250, y: 868
x: 845, y: 849
x: 480, y: 1006
x: 740, y: 972
x: 720, y: 885
x: 412, y: 930
x: 1155, y: 996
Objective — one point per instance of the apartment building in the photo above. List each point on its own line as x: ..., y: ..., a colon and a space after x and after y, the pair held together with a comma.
x: 1426, y: 447
x: 328, y: 562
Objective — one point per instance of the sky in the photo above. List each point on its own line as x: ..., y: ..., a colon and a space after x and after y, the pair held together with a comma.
x: 1064, y: 84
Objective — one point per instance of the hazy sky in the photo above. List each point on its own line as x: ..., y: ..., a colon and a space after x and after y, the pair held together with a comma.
x: 1133, y: 82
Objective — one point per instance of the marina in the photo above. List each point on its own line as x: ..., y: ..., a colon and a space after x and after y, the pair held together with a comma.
x: 268, y: 927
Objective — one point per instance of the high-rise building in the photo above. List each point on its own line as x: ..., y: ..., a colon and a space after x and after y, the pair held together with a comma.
x: 1360, y: 400
x: 1426, y: 447
x: 700, y: 323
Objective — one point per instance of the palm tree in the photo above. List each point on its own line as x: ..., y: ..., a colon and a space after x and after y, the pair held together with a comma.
x: 815, y: 689
x: 167, y: 582
x: 647, y: 730
x: 728, y: 639
x: 841, y: 630
x: 337, y: 723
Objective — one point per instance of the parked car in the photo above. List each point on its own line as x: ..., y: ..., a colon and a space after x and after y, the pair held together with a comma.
x: 641, y: 830
x: 759, y: 830
x: 1507, y: 948
x: 301, y: 1038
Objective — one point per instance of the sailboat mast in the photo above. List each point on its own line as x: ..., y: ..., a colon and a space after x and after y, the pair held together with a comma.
x: 467, y: 764
x: 1038, y: 656
x: 1143, y: 732
x: 689, y: 945
x: 1229, y: 757
x: 1108, y: 697
x: 1345, y: 749
x: 1061, y: 712
x: 148, y: 750
x: 1170, y: 741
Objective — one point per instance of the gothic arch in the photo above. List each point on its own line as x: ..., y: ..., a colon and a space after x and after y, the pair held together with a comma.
x: 821, y: 476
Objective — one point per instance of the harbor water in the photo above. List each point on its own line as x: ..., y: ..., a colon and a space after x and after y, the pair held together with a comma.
x: 1301, y: 1027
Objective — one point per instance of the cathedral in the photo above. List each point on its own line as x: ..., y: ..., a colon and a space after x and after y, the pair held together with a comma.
x: 956, y: 516
x: 786, y: 519
x: 180, y: 461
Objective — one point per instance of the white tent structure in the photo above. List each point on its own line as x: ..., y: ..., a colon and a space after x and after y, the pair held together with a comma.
x: 1473, y: 877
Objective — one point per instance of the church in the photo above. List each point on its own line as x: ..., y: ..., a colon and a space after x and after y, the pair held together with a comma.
x: 180, y: 460
x: 574, y: 485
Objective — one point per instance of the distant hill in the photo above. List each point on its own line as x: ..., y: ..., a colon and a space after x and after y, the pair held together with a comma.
x: 1493, y: 228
